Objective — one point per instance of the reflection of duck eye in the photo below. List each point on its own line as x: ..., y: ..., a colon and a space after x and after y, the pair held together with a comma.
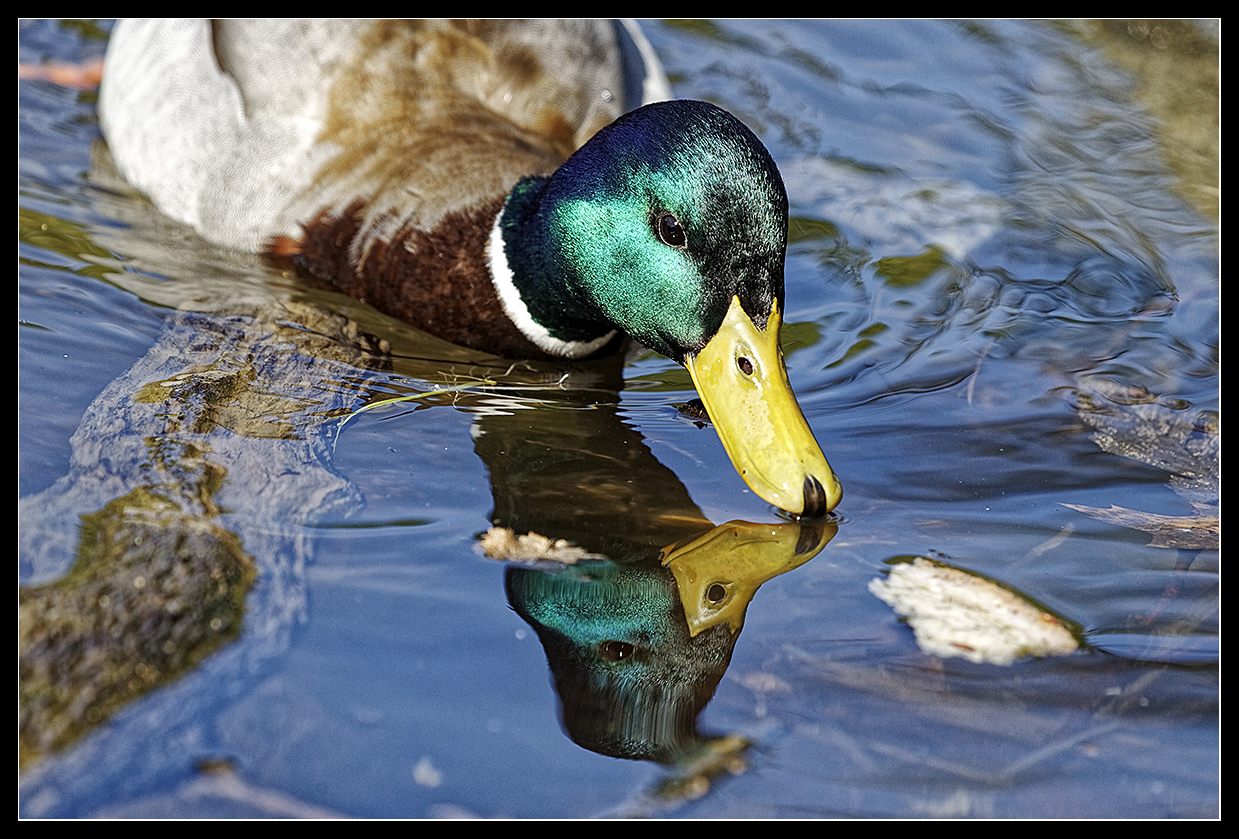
x: 615, y: 650
x: 716, y: 593
x: 669, y: 230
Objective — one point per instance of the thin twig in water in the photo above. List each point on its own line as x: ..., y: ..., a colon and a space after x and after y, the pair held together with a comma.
x: 972, y: 380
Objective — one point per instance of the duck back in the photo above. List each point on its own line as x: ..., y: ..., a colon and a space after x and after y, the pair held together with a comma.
x: 251, y: 130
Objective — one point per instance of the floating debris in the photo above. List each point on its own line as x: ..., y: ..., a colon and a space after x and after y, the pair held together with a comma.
x: 1199, y: 532
x: 503, y: 543
x: 1129, y: 422
x: 718, y: 758
x: 957, y: 614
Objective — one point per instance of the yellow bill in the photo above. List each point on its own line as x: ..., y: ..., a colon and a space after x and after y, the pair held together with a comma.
x: 742, y: 381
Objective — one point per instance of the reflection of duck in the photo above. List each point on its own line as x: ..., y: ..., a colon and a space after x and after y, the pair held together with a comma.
x: 418, y: 166
x: 638, y: 646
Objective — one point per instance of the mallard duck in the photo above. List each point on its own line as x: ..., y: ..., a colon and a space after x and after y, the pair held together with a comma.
x: 522, y: 188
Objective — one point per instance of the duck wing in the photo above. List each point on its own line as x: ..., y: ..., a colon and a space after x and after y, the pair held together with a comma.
x: 249, y: 129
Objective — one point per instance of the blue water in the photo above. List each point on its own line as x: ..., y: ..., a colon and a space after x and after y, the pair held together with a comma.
x: 988, y: 220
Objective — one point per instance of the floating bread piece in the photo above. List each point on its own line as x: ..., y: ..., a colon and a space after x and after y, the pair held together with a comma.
x: 954, y: 613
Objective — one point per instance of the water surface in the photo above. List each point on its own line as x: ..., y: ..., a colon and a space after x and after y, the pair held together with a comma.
x: 1003, y: 298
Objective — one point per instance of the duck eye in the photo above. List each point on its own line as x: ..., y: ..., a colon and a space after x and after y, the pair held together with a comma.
x: 746, y: 366
x: 669, y: 230
x: 616, y: 650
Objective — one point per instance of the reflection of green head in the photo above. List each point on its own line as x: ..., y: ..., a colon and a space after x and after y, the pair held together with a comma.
x: 630, y: 679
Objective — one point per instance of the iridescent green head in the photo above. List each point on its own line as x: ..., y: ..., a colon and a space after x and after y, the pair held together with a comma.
x: 663, y: 217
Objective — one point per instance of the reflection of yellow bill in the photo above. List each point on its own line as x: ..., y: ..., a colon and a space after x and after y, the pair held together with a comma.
x: 718, y: 572
x: 742, y: 381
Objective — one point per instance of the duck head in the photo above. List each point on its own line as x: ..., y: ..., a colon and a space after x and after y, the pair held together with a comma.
x: 670, y: 225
